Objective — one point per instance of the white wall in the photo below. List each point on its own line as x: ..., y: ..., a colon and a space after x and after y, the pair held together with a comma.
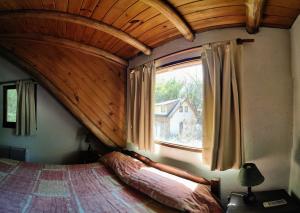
x: 295, y: 159
x: 59, y: 135
x: 266, y: 95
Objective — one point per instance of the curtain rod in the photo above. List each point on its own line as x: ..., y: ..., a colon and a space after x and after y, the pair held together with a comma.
x: 239, y: 41
x: 15, y: 81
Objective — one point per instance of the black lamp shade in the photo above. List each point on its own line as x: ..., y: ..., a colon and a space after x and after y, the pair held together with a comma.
x: 250, y: 175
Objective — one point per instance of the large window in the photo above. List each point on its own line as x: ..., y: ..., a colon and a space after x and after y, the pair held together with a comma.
x: 179, y: 90
x: 9, y: 106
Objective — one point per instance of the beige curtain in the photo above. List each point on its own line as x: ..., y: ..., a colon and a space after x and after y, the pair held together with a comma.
x: 222, y: 146
x: 140, y: 106
x: 26, y: 108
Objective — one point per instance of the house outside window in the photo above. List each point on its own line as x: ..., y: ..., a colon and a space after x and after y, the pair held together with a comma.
x: 179, y: 89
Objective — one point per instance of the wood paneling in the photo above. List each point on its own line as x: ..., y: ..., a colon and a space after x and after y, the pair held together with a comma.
x: 141, y: 21
x: 89, y: 83
x: 93, y: 86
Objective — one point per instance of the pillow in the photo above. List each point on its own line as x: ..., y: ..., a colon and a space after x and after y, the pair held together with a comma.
x: 163, y: 187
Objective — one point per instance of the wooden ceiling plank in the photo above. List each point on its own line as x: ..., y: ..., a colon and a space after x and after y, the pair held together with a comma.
x: 281, y: 11
x: 48, y: 4
x: 29, y: 68
x: 81, y: 21
x: 294, y: 4
x: 254, y: 14
x: 130, y: 14
x: 65, y: 43
x: 61, y: 5
x: 206, y: 5
x: 88, y: 7
x: 117, y: 10
x: 75, y: 6
x: 216, y: 12
x: 102, y: 9
x: 278, y: 21
x: 173, y: 17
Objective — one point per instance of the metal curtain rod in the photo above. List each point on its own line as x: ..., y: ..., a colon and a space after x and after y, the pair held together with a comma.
x: 239, y: 41
x: 15, y: 81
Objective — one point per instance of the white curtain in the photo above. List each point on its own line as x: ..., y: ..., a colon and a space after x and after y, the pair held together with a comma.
x: 222, y: 145
x: 140, y: 106
x: 26, y: 108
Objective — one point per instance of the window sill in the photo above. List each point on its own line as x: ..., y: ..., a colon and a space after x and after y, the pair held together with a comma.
x: 177, y: 146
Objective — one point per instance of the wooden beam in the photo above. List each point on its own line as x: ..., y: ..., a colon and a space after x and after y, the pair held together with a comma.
x: 65, y: 43
x: 76, y: 19
x: 30, y: 69
x: 254, y: 15
x: 172, y: 16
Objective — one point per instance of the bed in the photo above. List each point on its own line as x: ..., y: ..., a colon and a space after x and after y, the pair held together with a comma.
x: 30, y: 187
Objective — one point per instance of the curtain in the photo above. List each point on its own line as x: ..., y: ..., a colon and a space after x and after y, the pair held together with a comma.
x: 222, y: 146
x: 26, y: 108
x: 140, y: 112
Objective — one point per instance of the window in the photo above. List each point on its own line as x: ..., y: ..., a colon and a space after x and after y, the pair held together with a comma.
x: 179, y: 89
x: 180, y: 109
x: 186, y: 108
x: 9, y: 106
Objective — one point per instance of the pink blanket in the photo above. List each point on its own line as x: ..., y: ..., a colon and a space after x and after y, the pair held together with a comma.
x: 28, y: 187
x: 165, y: 188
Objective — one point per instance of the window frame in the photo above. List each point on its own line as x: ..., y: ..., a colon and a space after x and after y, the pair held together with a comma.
x: 7, y: 124
x: 169, y: 68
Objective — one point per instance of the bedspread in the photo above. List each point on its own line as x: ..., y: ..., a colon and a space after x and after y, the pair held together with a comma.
x: 29, y: 187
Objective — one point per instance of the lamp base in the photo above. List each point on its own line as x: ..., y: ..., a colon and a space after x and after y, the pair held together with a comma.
x: 249, y: 198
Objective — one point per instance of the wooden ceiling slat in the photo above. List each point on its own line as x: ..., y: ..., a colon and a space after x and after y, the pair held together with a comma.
x: 216, y: 12
x: 277, y: 21
x: 61, y: 5
x: 75, y: 6
x: 33, y: 4
x: 294, y: 4
x: 281, y: 11
x: 131, y: 13
x: 102, y: 8
x: 202, y: 25
x: 177, y: 3
x: 48, y: 4
x: 205, y: 5
x: 117, y: 10
x: 87, y: 35
x: 88, y: 7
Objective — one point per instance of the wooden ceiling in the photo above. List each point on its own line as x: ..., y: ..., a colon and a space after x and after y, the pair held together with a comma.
x: 120, y: 29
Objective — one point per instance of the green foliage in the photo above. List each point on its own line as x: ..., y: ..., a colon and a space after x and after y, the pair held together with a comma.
x: 168, y: 90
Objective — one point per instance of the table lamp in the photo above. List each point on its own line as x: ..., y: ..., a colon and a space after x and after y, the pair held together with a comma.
x: 250, y: 176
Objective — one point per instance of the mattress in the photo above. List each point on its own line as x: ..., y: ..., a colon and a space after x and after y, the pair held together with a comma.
x: 30, y: 187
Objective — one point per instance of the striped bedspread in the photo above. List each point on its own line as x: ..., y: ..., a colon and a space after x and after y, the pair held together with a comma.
x: 29, y: 187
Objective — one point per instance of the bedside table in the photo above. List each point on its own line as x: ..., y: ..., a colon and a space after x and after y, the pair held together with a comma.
x: 237, y: 205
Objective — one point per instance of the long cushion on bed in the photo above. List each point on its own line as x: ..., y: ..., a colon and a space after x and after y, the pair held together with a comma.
x: 163, y: 187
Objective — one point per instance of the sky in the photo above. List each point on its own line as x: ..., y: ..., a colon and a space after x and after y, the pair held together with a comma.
x: 181, y: 74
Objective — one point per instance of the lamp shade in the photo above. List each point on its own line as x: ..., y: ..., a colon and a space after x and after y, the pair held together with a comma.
x: 250, y: 175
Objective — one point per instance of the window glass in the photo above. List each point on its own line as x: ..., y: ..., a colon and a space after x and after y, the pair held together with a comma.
x: 11, y: 113
x: 179, y: 90
x: 9, y: 106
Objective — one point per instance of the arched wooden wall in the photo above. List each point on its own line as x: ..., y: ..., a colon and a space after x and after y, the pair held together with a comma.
x: 93, y: 89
